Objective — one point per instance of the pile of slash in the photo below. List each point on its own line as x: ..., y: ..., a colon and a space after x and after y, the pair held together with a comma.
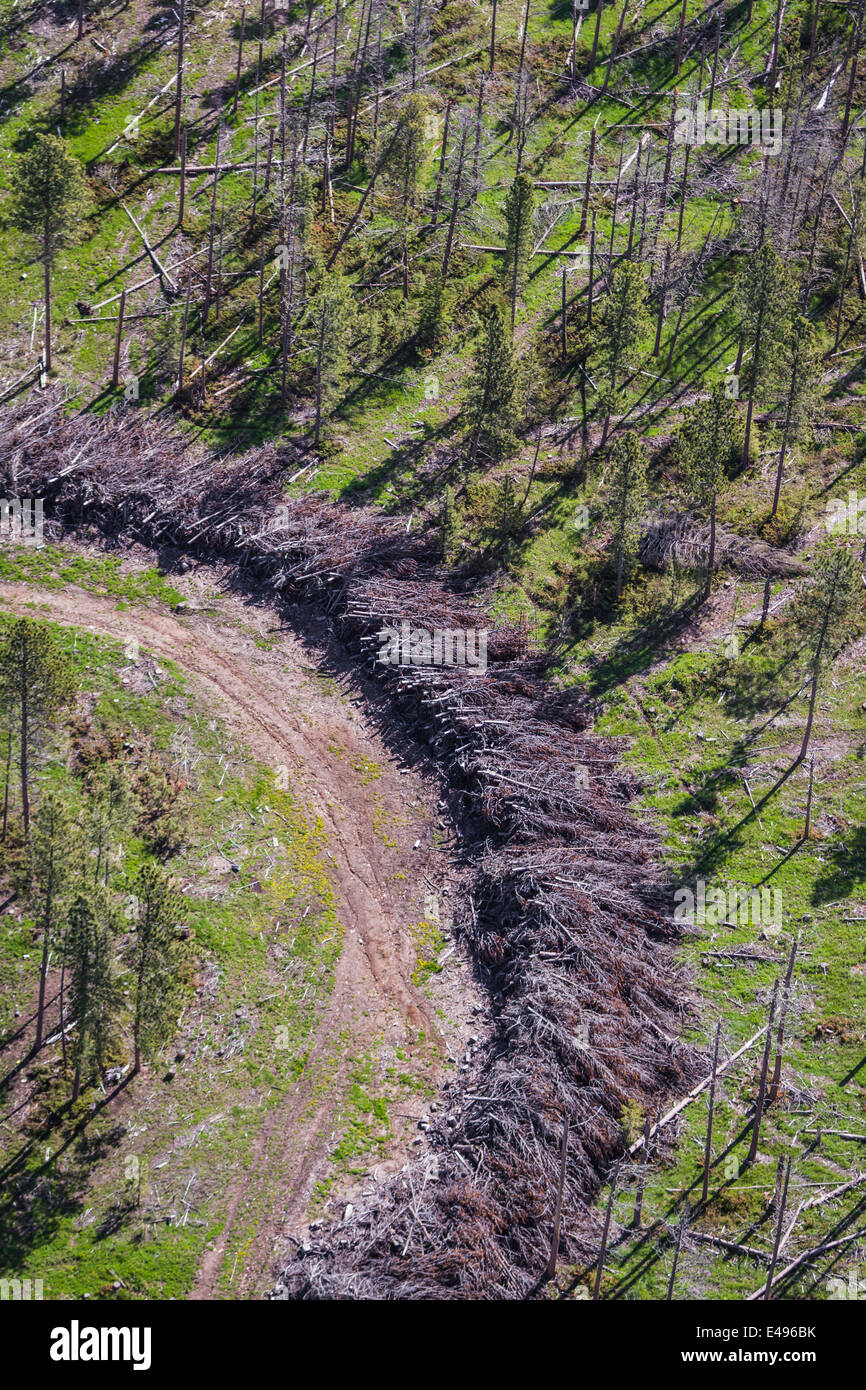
x: 568, y: 923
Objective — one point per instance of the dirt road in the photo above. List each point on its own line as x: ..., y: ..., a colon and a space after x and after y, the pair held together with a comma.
x: 256, y: 675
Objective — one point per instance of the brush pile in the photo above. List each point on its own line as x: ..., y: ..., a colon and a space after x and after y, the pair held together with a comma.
x: 567, y: 923
x: 686, y: 541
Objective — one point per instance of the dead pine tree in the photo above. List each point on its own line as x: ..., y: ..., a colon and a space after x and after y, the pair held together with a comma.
x: 589, y: 287
x: 598, y: 13
x: 478, y: 127
x: 240, y: 59
x: 680, y: 33
x: 562, y: 318
x: 181, y: 202
x: 604, y: 1235
x: 183, y: 333
x: 261, y: 292
x: 115, y: 369
x: 765, y: 606
x: 518, y: 80
x: 762, y: 1084
x: 550, y: 1272
x: 807, y: 831
x: 663, y: 290
x: 455, y: 204
x: 308, y: 110
x: 442, y: 153
x: 783, y: 1183
x: 783, y: 1014
x: 178, y: 94
x: 637, y: 1215
x: 615, y: 49
x: 681, y: 1230
x: 718, y: 40
x: 587, y: 189
x: 211, y: 234
x: 708, y: 1147
x: 813, y: 34
x: 493, y: 38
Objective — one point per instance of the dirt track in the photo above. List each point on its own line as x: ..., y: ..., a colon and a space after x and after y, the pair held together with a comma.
x: 273, y: 703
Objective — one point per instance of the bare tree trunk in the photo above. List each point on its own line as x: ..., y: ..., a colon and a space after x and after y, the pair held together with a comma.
x: 715, y: 61
x: 178, y: 95
x: 598, y: 14
x: 319, y: 355
x: 24, y: 751
x: 712, y: 551
x: 115, y: 369
x: 680, y: 38
x: 784, y: 1198
x: 591, y: 273
x: 604, y: 1235
x: 557, y: 1217
x: 663, y: 291
x: 563, y: 328
x: 441, y: 168
x: 240, y: 59
x: 708, y: 1147
x: 613, y: 52
x: 182, y: 194
x: 812, y: 36
x: 587, y: 190
x: 8, y: 777
x: 183, y: 333
x: 46, y: 267
x: 786, y: 988
x: 449, y: 240
x: 216, y: 174
x: 762, y: 1084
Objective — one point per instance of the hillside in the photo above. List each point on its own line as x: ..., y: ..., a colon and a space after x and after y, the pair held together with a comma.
x: 541, y: 326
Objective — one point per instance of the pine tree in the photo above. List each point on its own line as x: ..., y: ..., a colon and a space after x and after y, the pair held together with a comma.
x: 36, y: 682
x: 332, y: 313
x: 825, y: 612
x: 49, y: 200
x: 624, y: 322
x: 53, y: 851
x: 448, y: 524
x: 108, y: 814
x: 506, y: 511
x: 436, y: 310
x: 703, y: 444
x: 156, y: 955
x: 519, y: 212
x: 628, y: 500
x: 404, y: 168
x: 93, y: 992
x: 803, y: 371
x: 764, y: 293
x: 492, y: 400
